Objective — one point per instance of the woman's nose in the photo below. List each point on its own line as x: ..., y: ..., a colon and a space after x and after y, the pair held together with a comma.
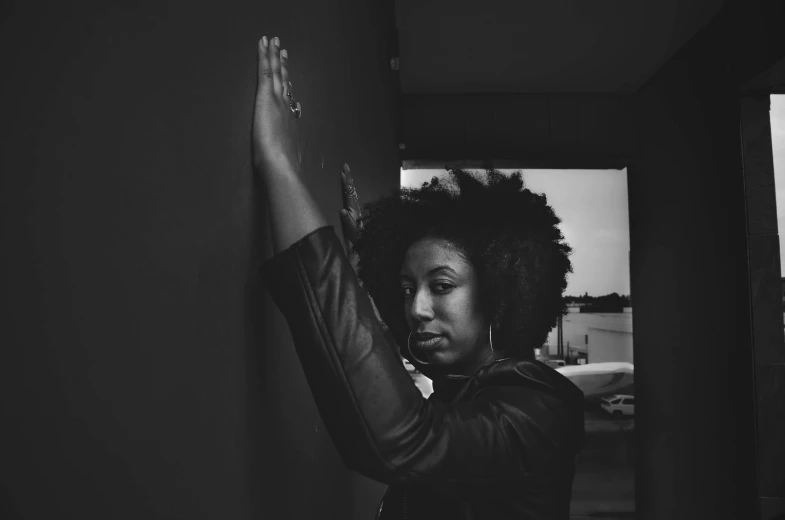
x: 422, y: 308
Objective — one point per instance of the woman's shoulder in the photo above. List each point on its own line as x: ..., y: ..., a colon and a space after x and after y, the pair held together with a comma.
x: 519, y: 378
x: 532, y: 390
x: 536, y: 412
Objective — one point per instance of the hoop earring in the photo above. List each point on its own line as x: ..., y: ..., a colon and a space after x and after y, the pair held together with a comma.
x: 490, y: 339
x: 409, y: 349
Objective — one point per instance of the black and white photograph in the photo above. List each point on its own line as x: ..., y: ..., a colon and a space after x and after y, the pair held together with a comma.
x: 392, y: 260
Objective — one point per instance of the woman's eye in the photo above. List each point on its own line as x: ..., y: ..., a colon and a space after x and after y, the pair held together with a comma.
x: 442, y: 287
x: 407, y: 291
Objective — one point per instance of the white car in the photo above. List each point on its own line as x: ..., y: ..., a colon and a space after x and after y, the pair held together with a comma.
x: 619, y: 405
x: 598, y: 380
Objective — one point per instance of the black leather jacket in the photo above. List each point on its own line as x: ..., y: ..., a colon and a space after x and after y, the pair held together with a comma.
x: 501, y: 444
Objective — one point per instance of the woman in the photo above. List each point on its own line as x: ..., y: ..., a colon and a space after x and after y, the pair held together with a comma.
x: 468, y: 276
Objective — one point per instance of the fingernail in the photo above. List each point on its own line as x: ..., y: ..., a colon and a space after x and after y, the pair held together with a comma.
x: 346, y: 167
x: 277, y: 42
x: 284, y: 54
x: 264, y: 41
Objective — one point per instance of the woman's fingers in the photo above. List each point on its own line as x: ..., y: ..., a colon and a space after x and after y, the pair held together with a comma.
x: 285, y: 74
x: 349, y: 227
x: 351, y: 212
x: 351, y: 201
x: 265, y: 80
x: 275, y: 65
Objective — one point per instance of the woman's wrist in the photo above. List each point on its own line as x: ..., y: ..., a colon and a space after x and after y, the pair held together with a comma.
x: 276, y: 170
x: 293, y: 211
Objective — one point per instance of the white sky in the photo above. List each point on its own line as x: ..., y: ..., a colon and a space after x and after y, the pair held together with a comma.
x: 778, y: 147
x: 592, y: 205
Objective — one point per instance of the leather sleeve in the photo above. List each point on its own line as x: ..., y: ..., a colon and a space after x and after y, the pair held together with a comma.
x: 377, y: 418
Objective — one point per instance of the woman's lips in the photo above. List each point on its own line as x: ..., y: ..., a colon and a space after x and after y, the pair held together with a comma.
x: 429, y: 343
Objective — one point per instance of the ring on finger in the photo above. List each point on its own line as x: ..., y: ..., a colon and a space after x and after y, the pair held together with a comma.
x: 295, y: 107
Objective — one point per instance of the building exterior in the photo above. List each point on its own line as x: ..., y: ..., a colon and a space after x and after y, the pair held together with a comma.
x: 595, y: 337
x: 608, y: 345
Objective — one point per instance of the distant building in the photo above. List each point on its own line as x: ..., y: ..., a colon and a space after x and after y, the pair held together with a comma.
x: 612, y: 343
x: 596, y: 337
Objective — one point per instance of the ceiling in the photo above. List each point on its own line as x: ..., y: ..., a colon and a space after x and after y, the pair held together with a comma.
x: 556, y: 46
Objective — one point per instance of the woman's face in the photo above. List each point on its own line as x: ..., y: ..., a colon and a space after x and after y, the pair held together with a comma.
x: 441, y: 302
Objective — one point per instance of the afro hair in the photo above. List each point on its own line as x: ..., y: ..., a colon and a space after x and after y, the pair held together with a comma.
x: 507, y: 233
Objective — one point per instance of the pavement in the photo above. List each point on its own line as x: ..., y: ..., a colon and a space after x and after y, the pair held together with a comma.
x: 600, y: 515
x: 604, y: 484
x: 606, y: 425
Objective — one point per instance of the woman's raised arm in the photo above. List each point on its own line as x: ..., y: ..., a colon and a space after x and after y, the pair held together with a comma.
x: 293, y: 211
x: 378, y: 419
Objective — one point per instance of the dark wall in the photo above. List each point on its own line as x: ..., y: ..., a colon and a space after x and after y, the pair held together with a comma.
x: 519, y: 130
x: 694, y: 247
x: 144, y: 372
x: 693, y: 353
x: 766, y: 299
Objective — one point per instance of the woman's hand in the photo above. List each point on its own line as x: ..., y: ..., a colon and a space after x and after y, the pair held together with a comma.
x: 351, y: 212
x: 274, y: 134
x: 352, y: 226
x: 293, y: 211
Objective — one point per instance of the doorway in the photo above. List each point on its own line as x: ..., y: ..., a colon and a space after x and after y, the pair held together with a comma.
x: 593, y: 342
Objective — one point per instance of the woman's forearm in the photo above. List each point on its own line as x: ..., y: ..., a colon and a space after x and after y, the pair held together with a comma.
x: 293, y: 211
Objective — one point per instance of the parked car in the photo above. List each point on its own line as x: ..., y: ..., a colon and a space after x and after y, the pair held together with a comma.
x: 619, y: 405
x: 598, y: 380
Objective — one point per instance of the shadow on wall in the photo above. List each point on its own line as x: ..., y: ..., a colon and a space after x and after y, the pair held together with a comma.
x: 8, y: 510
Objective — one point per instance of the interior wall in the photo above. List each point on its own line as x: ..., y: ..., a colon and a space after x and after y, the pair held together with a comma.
x: 520, y: 130
x: 766, y: 300
x: 691, y: 279
x: 145, y: 373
